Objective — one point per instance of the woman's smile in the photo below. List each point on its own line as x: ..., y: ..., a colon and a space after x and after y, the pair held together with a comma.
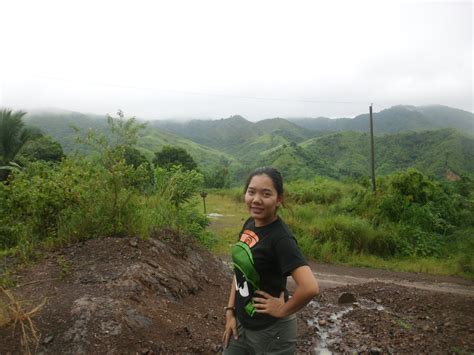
x: 262, y: 200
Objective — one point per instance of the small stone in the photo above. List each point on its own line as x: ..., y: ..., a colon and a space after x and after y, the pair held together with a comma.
x: 48, y: 339
x: 356, y: 304
x: 346, y: 297
x: 375, y: 351
x: 378, y: 300
x: 133, y: 243
x: 152, y: 263
x: 322, y: 322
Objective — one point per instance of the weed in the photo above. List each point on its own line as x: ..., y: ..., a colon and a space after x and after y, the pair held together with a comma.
x: 403, y: 324
x: 14, y: 312
x: 6, y: 280
x: 64, y: 266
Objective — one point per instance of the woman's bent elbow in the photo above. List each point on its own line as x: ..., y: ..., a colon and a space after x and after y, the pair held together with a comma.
x: 314, y: 289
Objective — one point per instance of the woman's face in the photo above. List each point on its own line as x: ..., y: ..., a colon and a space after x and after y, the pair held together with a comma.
x: 262, y: 200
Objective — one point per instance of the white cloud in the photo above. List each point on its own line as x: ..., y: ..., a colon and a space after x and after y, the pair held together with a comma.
x: 146, y: 57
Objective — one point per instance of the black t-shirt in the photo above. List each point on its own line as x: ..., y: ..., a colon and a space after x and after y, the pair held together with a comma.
x: 275, y: 254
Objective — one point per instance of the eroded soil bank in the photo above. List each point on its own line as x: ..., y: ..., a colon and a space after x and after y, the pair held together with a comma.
x: 166, y: 295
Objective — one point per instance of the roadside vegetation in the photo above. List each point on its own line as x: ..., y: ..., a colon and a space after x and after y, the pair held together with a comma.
x: 412, y: 223
x: 114, y: 192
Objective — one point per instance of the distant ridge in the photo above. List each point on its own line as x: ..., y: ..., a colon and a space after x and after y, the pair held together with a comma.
x: 229, y: 133
x: 398, y: 118
x: 408, y: 136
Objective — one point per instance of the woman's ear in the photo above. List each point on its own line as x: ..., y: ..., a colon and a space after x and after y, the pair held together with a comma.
x: 279, y: 201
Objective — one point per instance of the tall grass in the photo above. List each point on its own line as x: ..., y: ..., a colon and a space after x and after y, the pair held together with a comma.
x: 411, y: 224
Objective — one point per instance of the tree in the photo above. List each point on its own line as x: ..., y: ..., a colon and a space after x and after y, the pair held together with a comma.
x: 13, y: 135
x: 134, y: 157
x: 43, y: 148
x: 170, y: 156
x: 217, y: 178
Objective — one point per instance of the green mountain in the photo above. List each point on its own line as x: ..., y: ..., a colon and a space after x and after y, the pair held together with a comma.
x: 234, y: 133
x: 435, y: 153
x: 58, y: 124
x: 444, y: 154
x: 241, y: 145
x: 396, y: 119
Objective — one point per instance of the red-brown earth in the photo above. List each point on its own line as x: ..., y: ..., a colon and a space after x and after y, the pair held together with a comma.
x: 166, y: 295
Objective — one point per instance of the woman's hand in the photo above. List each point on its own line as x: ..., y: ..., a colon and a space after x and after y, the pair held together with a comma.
x: 269, y: 305
x: 230, y: 329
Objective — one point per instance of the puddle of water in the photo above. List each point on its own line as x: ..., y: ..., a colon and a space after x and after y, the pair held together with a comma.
x: 327, y: 321
x: 215, y: 215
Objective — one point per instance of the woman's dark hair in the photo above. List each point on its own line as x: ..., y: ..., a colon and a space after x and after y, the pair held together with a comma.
x: 273, y: 174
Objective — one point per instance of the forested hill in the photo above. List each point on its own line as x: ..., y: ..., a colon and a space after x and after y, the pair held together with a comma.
x: 239, y: 145
x: 58, y: 124
x: 396, y: 119
x: 229, y: 133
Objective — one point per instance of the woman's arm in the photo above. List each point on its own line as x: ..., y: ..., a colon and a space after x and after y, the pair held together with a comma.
x: 306, y: 288
x: 230, y: 321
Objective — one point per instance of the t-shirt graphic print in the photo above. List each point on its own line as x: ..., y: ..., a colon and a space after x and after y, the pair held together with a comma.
x: 263, y: 257
x: 247, y: 278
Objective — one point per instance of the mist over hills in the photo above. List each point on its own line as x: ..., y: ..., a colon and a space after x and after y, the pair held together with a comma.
x: 435, y: 139
x: 396, y: 119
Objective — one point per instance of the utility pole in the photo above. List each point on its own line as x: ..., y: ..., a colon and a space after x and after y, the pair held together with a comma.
x: 372, y: 149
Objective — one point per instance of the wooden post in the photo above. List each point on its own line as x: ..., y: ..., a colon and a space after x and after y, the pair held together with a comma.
x: 204, y: 195
x: 372, y: 148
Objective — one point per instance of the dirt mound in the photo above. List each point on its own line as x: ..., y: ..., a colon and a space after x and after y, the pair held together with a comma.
x: 123, y: 295
x: 166, y: 295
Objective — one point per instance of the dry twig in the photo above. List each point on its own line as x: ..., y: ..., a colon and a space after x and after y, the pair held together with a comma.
x: 17, y: 314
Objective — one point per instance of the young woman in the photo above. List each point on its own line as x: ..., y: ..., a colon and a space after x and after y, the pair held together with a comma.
x: 260, y: 315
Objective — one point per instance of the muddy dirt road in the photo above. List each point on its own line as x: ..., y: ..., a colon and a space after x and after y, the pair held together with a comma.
x: 387, y: 312
x: 330, y: 276
x: 166, y: 295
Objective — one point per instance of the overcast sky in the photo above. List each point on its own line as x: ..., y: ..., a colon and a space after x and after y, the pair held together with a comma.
x: 213, y: 59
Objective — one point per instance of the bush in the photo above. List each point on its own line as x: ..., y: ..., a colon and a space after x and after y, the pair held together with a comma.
x: 319, y: 190
x: 83, y: 198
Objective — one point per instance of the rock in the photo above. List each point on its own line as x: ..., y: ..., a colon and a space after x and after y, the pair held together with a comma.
x: 152, y: 263
x: 136, y: 320
x: 48, y: 339
x: 111, y: 327
x: 346, y: 297
x: 378, y: 300
x: 356, y: 304
x: 322, y: 322
x: 375, y: 351
x: 183, y: 331
x: 133, y: 243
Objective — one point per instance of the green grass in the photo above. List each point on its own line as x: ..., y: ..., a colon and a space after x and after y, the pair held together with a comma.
x: 326, y: 234
x: 227, y: 227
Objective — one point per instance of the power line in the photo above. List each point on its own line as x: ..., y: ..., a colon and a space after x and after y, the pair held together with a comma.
x: 192, y: 93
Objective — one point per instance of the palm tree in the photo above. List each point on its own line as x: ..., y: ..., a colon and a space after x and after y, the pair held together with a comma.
x: 12, y: 137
